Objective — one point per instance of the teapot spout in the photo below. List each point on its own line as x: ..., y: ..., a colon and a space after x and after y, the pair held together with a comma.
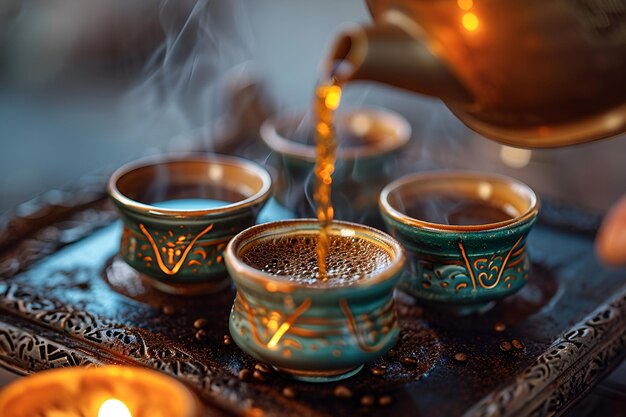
x: 389, y: 54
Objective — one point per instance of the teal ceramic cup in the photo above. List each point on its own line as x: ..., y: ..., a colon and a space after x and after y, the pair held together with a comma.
x: 474, y: 257
x: 368, y: 141
x: 180, y: 211
x: 313, y: 331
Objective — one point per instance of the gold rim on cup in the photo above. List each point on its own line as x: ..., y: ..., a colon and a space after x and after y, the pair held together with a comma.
x: 397, y: 134
x: 471, y: 184
x: 147, y: 166
x: 310, y: 227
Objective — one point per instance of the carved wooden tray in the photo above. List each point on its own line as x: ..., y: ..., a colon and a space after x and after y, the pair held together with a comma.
x: 56, y: 309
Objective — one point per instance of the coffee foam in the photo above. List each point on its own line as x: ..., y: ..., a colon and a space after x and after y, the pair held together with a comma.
x: 349, y: 259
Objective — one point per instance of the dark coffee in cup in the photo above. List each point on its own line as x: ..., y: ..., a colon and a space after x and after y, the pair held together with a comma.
x: 457, y: 210
x: 349, y: 258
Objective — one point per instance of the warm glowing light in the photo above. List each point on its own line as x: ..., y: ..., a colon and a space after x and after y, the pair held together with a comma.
x: 465, y: 4
x: 323, y: 129
x: 216, y: 172
x: 360, y: 124
x: 272, y: 323
x: 470, y: 21
x: 511, y: 210
x: 613, y: 121
x: 114, y: 408
x: 278, y: 335
x: 515, y: 157
x: 333, y: 97
x: 347, y: 233
x: 485, y: 190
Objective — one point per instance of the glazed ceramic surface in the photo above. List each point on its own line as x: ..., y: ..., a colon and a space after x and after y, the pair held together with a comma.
x: 363, y: 165
x: 180, y: 247
x: 462, y: 268
x: 313, y: 332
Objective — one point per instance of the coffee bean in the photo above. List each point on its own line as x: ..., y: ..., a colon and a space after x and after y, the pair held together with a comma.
x: 517, y: 344
x: 244, y: 374
x: 378, y: 370
x: 289, y: 392
x: 259, y: 375
x: 392, y: 353
x: 385, y: 400
x: 499, y: 327
x: 408, y: 360
x: 200, y: 323
x: 201, y: 334
x: 168, y: 310
x: 341, y: 391
x: 505, y: 346
x: 460, y: 357
x: 261, y: 367
x: 227, y: 339
x: 367, y: 400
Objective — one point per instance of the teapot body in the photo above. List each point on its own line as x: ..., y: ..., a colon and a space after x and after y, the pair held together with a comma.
x: 540, y: 73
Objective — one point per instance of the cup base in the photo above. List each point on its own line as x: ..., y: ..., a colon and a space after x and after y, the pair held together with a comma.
x: 190, y: 289
x: 464, y: 309
x: 134, y: 282
x: 319, y: 376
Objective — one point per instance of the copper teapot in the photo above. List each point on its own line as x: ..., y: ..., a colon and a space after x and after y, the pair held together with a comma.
x: 529, y: 73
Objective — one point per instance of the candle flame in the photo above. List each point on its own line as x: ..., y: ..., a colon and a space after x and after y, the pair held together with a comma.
x: 114, y: 408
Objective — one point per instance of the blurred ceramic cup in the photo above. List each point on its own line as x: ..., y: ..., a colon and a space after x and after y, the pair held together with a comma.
x: 180, y: 211
x: 368, y: 141
x: 464, y: 234
x: 312, y: 329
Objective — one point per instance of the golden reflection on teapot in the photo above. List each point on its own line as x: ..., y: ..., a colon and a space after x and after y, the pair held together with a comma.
x: 530, y: 73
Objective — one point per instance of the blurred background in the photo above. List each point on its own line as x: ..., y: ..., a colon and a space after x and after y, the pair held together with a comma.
x: 88, y: 85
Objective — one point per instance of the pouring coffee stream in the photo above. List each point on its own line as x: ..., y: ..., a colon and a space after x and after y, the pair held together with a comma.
x: 327, y: 98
